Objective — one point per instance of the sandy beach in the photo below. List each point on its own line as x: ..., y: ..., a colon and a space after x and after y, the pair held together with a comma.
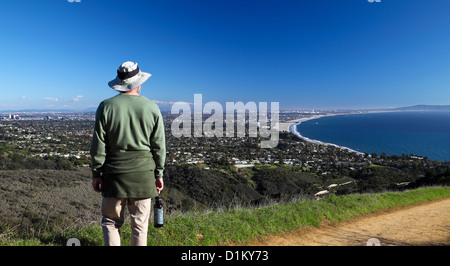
x: 285, y: 126
x: 291, y: 126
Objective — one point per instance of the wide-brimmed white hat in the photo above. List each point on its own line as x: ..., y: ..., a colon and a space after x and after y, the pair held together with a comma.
x: 129, y: 77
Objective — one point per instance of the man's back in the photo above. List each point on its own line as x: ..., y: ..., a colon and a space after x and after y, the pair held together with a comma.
x: 128, y: 123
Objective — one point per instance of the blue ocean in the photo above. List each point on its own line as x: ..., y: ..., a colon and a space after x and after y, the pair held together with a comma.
x: 422, y: 133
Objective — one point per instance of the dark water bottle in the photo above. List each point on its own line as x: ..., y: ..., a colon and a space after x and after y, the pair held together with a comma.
x: 158, y: 212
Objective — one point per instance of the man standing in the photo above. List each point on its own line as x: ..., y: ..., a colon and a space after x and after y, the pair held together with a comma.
x: 128, y: 154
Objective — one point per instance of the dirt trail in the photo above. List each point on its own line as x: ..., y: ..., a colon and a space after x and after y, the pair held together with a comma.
x: 419, y: 225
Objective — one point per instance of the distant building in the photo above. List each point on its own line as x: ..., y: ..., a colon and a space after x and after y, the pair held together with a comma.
x: 14, y: 117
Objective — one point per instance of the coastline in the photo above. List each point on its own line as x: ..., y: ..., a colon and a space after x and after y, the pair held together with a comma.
x: 293, y: 130
x: 291, y: 126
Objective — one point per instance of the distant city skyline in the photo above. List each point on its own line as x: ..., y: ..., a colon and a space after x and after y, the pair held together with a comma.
x: 305, y: 54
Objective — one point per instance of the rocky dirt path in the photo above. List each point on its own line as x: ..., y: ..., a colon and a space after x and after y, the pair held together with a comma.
x: 418, y: 225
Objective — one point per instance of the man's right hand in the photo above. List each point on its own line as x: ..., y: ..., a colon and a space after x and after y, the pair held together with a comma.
x: 97, y: 184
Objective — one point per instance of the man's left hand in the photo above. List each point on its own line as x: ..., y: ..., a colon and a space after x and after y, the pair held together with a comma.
x: 159, y: 184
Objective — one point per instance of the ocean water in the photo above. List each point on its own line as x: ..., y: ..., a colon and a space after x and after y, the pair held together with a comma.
x: 424, y: 133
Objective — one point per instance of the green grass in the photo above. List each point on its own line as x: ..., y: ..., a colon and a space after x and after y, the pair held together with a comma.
x: 240, y: 225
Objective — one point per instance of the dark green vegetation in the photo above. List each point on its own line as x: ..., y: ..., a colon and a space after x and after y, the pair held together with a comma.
x: 240, y: 225
x: 196, y: 188
x: 48, y: 206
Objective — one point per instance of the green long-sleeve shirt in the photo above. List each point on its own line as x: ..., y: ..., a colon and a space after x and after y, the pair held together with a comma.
x: 128, y: 146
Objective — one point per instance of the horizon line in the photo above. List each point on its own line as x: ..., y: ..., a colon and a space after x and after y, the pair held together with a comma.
x: 93, y: 109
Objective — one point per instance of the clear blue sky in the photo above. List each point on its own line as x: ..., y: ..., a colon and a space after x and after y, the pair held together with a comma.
x: 303, y: 54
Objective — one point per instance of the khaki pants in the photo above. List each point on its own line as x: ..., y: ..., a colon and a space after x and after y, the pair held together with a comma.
x: 113, y: 219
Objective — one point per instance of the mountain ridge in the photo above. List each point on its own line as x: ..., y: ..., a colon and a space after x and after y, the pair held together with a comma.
x: 424, y: 107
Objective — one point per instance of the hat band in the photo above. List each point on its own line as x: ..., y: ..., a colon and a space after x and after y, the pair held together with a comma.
x: 127, y: 75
